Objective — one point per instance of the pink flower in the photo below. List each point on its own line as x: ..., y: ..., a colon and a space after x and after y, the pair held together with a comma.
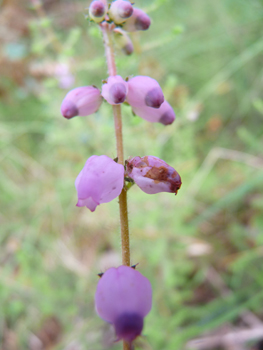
x: 120, y: 10
x: 144, y: 91
x: 115, y: 90
x: 165, y: 114
x: 123, y: 298
x: 138, y: 21
x: 81, y: 101
x: 100, y: 181
x: 97, y: 11
x: 153, y: 175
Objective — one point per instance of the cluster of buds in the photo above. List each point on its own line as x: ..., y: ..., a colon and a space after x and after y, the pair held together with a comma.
x: 143, y: 93
x: 124, y: 17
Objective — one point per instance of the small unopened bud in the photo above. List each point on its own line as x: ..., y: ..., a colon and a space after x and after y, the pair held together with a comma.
x: 144, y: 91
x: 120, y: 10
x: 97, y: 11
x: 138, y: 21
x: 164, y: 115
x: 123, y: 41
x: 115, y: 90
x: 153, y: 175
x: 81, y: 101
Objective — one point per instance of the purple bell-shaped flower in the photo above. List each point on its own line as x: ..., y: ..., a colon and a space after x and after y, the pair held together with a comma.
x: 100, y: 181
x: 144, y: 91
x: 81, y: 101
x: 115, y: 90
x: 123, y: 298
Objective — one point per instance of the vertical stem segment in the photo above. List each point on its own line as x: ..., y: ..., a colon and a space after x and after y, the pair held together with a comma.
x: 125, y: 239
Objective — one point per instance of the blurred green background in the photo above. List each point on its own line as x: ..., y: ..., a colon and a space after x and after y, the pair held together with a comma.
x: 202, y: 250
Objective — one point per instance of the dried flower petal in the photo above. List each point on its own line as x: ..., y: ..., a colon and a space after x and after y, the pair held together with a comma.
x: 153, y: 175
x: 100, y: 181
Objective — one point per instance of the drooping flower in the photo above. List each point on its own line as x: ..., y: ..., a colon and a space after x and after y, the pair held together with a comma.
x: 138, y: 21
x: 81, y: 101
x: 115, y: 90
x: 120, y: 10
x: 123, y: 41
x: 100, y: 181
x: 153, y: 175
x: 97, y: 11
x: 123, y: 298
x: 164, y: 115
x: 144, y: 91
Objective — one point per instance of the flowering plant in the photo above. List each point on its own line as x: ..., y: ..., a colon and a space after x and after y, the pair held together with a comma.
x: 124, y: 296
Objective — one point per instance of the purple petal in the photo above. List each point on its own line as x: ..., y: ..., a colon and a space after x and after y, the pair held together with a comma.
x: 144, y: 91
x: 120, y: 291
x: 164, y: 114
x: 100, y: 181
x: 81, y: 101
x: 115, y: 90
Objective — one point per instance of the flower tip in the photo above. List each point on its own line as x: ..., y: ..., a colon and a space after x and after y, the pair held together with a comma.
x: 69, y: 109
x: 128, y: 326
x: 167, y: 118
x: 143, y: 22
x: 97, y: 11
x: 154, y: 98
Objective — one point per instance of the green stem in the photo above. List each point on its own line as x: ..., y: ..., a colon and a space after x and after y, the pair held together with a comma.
x: 125, y: 238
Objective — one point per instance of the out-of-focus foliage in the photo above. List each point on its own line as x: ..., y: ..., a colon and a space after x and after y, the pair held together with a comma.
x: 202, y: 250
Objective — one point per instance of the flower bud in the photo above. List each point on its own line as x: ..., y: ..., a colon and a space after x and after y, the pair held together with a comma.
x: 120, y: 10
x: 123, y: 41
x: 138, y: 21
x: 153, y: 175
x: 115, y: 90
x: 81, y: 101
x: 97, y: 11
x: 144, y: 91
x: 164, y: 115
x: 123, y: 298
x: 100, y: 181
